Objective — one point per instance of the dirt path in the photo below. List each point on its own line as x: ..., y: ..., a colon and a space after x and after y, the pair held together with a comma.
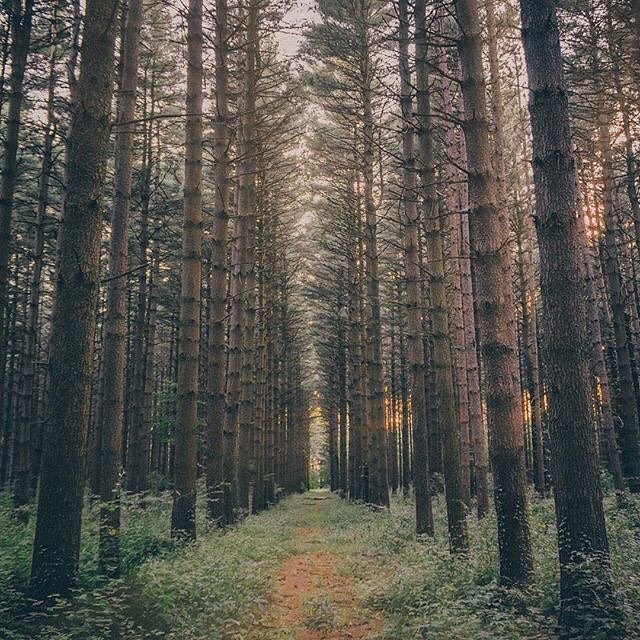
x: 313, y: 598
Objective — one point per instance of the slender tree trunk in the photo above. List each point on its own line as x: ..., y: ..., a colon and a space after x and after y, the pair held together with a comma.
x: 21, y: 18
x: 137, y: 453
x: 183, y: 515
x: 342, y: 398
x: 585, y: 578
x: 356, y: 391
x: 406, y: 420
x: 421, y: 476
x: 218, y: 282
x: 466, y: 349
x: 334, y: 465
x: 496, y: 314
x: 377, y: 462
x: 599, y: 364
x: 57, y: 539
x: 630, y: 443
x: 247, y: 150
x: 115, y: 324
x: 448, y: 420
x: 28, y: 425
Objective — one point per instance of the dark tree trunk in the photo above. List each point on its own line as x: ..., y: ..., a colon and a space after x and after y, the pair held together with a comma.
x: 218, y: 282
x: 183, y: 515
x: 57, y: 539
x: 21, y: 18
x: 24, y: 485
x: 115, y: 324
x: 496, y: 310
x: 585, y: 577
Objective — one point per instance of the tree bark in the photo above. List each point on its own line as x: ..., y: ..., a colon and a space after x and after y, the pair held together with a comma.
x: 183, y: 515
x: 449, y: 426
x: 115, y: 324
x: 21, y: 16
x: 585, y: 578
x: 24, y: 484
x: 630, y: 443
x: 218, y: 282
x: 496, y: 314
x: 57, y: 539
x: 421, y: 473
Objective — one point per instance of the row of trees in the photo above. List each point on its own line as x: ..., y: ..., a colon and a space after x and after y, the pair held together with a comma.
x: 455, y: 335
x: 143, y: 348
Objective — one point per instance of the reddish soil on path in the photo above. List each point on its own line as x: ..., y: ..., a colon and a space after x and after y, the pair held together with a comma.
x: 312, y: 600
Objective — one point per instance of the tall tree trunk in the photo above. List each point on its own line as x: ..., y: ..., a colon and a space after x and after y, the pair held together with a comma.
x: 421, y: 474
x: 630, y: 443
x: 183, y: 515
x: 356, y: 379
x: 56, y: 546
x: 137, y: 452
x: 496, y: 313
x: 218, y: 282
x: 21, y: 16
x: 115, y: 323
x: 449, y: 426
x: 342, y: 399
x: 599, y: 364
x: 247, y: 150
x: 28, y: 426
x: 377, y: 462
x: 468, y: 379
x: 585, y: 578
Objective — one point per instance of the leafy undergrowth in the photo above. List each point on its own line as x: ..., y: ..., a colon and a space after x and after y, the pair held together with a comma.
x: 218, y: 588
x: 211, y: 589
x: 424, y: 592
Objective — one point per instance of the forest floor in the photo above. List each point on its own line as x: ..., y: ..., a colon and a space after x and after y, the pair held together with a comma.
x: 313, y: 567
x: 313, y: 596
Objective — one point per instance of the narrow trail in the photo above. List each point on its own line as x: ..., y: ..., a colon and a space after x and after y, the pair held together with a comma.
x: 313, y: 597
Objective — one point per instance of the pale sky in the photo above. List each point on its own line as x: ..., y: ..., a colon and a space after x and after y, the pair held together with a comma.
x: 289, y: 40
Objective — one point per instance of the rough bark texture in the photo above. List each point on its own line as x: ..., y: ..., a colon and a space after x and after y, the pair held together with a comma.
x: 247, y: 150
x: 448, y: 425
x: 57, y: 540
x: 183, y: 515
x: 218, y: 281
x: 495, y: 307
x: 421, y: 479
x: 115, y: 323
x: 585, y: 577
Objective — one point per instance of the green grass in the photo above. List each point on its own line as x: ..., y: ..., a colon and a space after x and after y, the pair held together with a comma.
x: 424, y: 592
x: 319, y: 613
x: 211, y: 589
x: 217, y: 588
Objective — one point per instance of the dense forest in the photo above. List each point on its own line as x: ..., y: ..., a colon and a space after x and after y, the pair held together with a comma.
x: 319, y: 320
